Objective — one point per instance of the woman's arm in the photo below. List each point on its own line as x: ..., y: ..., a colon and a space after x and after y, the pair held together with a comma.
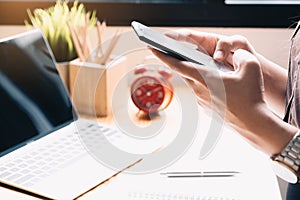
x: 275, y: 80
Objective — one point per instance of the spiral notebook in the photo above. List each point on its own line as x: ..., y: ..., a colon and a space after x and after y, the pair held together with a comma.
x: 173, y: 196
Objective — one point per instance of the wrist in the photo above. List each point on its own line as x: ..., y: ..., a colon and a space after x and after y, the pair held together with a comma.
x: 278, y: 139
x: 270, y: 133
x: 286, y: 164
x: 275, y: 79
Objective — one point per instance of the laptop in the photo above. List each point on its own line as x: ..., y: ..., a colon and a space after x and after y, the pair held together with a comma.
x: 40, y: 146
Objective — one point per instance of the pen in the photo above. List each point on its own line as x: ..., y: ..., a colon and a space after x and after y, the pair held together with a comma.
x: 199, y: 174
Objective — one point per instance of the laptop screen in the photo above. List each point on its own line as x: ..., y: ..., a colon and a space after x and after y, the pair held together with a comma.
x: 33, y: 100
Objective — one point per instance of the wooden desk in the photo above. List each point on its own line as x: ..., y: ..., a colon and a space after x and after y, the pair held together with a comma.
x: 256, y: 181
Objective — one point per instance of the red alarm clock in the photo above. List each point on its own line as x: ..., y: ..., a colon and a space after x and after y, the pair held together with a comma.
x: 152, y: 89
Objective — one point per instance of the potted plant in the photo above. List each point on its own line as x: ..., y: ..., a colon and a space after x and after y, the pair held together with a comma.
x: 54, y: 21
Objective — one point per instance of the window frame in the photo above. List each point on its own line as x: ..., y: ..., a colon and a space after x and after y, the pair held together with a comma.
x: 213, y: 13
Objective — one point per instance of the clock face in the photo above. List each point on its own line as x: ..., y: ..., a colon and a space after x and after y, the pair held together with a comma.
x: 147, y: 93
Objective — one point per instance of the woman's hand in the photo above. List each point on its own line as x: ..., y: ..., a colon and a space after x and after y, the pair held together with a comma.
x: 222, y: 48
x: 241, y: 102
x: 239, y: 93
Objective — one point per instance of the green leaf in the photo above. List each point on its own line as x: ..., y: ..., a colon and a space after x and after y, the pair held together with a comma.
x: 53, y: 21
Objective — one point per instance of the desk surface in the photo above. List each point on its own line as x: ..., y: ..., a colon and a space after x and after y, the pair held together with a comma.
x: 256, y: 180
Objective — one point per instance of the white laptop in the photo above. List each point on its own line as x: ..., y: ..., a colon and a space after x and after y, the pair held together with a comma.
x: 40, y: 148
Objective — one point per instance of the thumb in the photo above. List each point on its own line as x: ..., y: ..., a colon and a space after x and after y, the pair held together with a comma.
x: 228, y: 45
x: 246, y: 63
x: 223, y: 47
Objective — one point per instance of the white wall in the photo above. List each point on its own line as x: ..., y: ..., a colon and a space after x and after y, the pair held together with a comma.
x: 273, y: 43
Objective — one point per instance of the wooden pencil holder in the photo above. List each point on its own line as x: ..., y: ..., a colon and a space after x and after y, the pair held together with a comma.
x: 92, y: 86
x: 63, y: 70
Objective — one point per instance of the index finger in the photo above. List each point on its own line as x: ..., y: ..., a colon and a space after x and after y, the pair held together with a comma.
x: 205, y: 41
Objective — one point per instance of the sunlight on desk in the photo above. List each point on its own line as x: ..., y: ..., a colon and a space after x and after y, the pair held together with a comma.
x: 256, y: 179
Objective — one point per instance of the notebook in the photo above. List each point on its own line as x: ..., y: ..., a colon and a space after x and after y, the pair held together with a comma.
x: 40, y: 146
x: 172, y: 196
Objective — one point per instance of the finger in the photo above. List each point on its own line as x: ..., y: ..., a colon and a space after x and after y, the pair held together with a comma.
x: 196, y: 37
x: 205, y: 41
x: 246, y: 62
x: 227, y: 45
x: 185, y: 69
x: 183, y: 38
x: 183, y: 34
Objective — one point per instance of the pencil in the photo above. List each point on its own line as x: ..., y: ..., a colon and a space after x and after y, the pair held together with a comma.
x: 23, y: 191
x: 85, y: 47
x: 76, y: 42
x: 99, y: 33
x: 111, y: 47
x: 103, y: 26
x: 108, y: 179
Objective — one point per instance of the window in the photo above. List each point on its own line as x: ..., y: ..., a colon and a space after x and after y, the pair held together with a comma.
x: 220, y: 13
x: 273, y: 2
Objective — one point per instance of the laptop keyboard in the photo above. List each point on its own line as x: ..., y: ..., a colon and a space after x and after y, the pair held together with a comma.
x: 58, y: 153
x: 165, y: 196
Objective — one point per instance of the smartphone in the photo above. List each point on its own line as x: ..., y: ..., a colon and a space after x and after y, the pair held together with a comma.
x: 174, y: 48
